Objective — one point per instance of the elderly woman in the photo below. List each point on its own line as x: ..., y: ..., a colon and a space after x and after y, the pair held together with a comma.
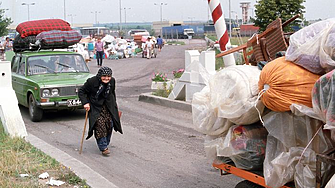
x: 98, y: 97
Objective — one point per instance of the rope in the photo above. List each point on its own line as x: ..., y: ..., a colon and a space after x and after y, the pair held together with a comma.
x: 260, y: 94
x: 253, y: 37
x: 309, y: 143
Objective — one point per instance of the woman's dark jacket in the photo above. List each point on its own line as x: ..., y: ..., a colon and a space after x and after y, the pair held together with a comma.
x: 87, y: 94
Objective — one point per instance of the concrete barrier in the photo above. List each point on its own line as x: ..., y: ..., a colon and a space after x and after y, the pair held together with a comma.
x: 10, y: 114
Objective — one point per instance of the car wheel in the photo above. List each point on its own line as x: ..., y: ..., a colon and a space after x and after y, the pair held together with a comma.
x: 247, y: 184
x: 35, y: 112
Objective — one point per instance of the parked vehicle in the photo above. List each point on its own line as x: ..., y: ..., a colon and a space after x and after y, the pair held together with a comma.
x: 94, y: 31
x: 46, y: 80
x: 180, y: 32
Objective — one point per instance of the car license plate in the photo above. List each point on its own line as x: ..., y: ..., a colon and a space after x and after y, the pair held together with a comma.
x: 73, y: 102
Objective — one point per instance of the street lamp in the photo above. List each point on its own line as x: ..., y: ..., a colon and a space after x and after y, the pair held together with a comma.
x: 96, y: 16
x: 191, y: 18
x: 125, y: 14
x: 64, y: 11
x: 28, y: 4
x: 120, y: 18
x: 236, y: 17
x: 71, y: 15
x: 161, y: 5
x: 229, y: 19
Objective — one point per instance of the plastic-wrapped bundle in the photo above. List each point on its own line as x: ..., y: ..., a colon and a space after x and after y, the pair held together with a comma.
x: 233, y: 92
x: 313, y: 47
x: 285, y: 83
x: 324, y: 99
x: 245, y: 145
x: 288, y: 135
x: 205, y: 118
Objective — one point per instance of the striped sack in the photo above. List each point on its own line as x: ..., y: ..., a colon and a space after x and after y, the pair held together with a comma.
x: 56, y: 38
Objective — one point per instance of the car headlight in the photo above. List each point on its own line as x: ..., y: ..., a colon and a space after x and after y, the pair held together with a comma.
x: 46, y: 93
x: 55, y: 92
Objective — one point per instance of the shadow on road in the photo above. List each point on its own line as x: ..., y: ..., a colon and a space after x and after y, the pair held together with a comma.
x: 54, y: 115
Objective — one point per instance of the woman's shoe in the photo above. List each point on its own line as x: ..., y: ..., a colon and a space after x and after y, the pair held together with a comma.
x: 106, y: 152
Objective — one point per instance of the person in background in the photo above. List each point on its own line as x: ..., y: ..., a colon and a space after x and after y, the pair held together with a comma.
x: 149, y: 45
x: 159, y: 43
x: 8, y: 46
x: 99, y: 51
x: 90, y: 48
x: 99, y: 99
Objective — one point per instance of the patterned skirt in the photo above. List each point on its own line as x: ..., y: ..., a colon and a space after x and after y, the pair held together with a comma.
x: 103, y: 125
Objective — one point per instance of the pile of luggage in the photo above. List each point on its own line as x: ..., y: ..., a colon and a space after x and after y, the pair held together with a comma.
x: 274, y: 118
x: 45, y: 34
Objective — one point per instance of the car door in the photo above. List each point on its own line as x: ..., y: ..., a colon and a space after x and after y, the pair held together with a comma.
x: 18, y: 78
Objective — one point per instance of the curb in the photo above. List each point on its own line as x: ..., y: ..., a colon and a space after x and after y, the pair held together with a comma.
x: 181, y: 105
x: 172, y: 44
x: 93, y: 179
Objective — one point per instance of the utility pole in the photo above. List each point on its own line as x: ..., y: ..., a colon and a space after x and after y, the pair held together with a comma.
x: 120, y: 18
x: 64, y: 12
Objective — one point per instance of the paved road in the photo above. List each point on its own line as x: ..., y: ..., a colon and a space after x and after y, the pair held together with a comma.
x: 159, y: 147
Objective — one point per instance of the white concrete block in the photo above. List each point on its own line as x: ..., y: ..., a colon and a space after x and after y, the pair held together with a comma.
x: 5, y: 74
x: 178, y: 92
x: 192, y: 77
x: 10, y: 114
x: 191, y: 89
x: 207, y: 60
x: 190, y: 56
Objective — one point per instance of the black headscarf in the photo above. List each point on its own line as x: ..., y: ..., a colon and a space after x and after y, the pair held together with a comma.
x: 104, y: 88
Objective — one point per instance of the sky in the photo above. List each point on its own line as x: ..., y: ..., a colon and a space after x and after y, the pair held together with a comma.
x: 108, y: 11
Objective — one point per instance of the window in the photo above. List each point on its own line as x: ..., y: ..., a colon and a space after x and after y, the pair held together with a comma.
x: 15, y: 64
x: 22, y: 68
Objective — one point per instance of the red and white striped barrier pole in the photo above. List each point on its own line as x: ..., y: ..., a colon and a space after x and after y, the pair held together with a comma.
x: 221, y: 30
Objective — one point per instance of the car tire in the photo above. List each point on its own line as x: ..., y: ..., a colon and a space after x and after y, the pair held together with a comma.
x: 35, y: 112
x: 247, y: 184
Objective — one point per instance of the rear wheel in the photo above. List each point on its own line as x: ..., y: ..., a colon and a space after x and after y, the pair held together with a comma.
x: 35, y: 112
x: 247, y: 184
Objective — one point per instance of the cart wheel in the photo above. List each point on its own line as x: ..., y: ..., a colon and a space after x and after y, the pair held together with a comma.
x: 247, y: 184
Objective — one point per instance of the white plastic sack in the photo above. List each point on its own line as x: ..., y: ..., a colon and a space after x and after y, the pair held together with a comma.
x: 108, y: 38
x: 289, y: 134
x: 205, y: 118
x: 331, y: 183
x: 323, y: 99
x: 313, y: 47
x: 234, y: 90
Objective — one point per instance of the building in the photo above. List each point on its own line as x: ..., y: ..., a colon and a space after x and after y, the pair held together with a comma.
x: 157, y: 26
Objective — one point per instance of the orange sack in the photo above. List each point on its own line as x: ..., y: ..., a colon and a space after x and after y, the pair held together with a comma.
x: 286, y: 83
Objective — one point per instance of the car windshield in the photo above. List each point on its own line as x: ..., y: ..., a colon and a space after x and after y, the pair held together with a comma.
x: 53, y: 64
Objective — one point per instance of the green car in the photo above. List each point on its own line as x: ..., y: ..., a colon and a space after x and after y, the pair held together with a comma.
x: 48, y: 80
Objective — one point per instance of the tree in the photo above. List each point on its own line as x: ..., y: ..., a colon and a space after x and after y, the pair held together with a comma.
x: 4, y: 23
x: 269, y: 10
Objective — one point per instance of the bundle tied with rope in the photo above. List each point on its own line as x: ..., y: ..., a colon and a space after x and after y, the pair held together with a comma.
x: 282, y: 83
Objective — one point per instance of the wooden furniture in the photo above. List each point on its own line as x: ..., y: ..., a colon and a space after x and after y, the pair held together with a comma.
x: 265, y: 45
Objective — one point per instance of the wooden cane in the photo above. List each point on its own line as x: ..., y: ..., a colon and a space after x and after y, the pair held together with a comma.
x: 82, y: 139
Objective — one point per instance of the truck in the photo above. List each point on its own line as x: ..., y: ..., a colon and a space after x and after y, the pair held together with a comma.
x: 177, y: 32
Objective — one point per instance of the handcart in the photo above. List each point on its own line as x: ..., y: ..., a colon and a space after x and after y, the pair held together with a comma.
x: 253, y: 179
x: 153, y: 53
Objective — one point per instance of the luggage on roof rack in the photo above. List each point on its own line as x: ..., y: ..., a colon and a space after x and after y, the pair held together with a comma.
x: 46, y: 40
x: 35, y: 27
